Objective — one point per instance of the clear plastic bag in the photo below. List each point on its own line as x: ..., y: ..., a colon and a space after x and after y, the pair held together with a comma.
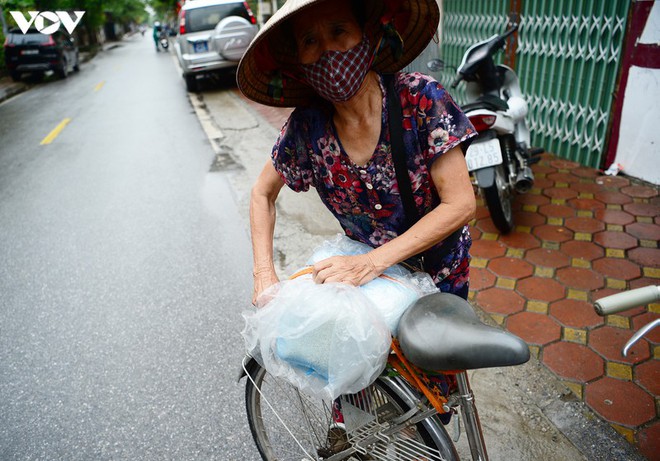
x: 326, y: 340
x: 393, y: 292
x: 331, y: 339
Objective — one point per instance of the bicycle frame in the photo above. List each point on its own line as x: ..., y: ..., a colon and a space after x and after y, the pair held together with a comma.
x: 420, y: 413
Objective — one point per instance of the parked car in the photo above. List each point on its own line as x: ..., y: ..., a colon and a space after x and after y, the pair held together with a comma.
x: 213, y: 36
x: 37, y: 53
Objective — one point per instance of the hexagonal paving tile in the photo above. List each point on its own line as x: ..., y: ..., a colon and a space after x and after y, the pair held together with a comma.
x: 617, y: 268
x: 642, y: 209
x: 540, y: 289
x: 543, y: 183
x: 511, y: 267
x: 563, y: 177
x: 587, y: 225
x: 557, y: 211
x: 563, y: 164
x: 621, y: 402
x: 649, y: 440
x: 615, y: 182
x: 642, y: 282
x: 528, y: 219
x: 573, y: 361
x: 580, y: 278
x: 481, y: 279
x: 547, y: 258
x: 487, y: 249
x: 647, y: 375
x: 644, y: 231
x: 639, y: 191
x: 532, y: 199
x: 475, y: 233
x: 614, y: 239
x: 617, y: 217
x: 586, y: 204
x: 543, y: 168
x: 534, y: 328
x: 613, y: 197
x: 560, y: 193
x: 552, y: 233
x: 486, y: 225
x: 520, y: 240
x: 585, y: 172
x: 608, y: 341
x: 500, y: 301
x: 649, y: 257
x: 586, y: 187
x: 648, y: 317
x: 575, y: 314
x: 582, y: 250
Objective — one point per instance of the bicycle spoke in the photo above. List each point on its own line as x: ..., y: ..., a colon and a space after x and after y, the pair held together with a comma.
x: 293, y: 426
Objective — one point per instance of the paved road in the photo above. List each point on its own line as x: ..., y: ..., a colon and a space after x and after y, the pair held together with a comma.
x: 125, y: 265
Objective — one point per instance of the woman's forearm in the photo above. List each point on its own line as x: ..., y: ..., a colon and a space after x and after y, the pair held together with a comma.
x: 458, y: 207
x: 262, y: 218
x: 262, y: 228
x: 427, y: 232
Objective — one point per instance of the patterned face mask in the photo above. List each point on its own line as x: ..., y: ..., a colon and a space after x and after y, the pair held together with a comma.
x: 337, y: 75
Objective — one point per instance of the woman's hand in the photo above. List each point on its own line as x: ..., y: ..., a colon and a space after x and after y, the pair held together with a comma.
x: 354, y: 270
x: 262, y: 280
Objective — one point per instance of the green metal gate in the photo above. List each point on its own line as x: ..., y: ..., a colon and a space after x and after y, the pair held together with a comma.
x: 567, y: 57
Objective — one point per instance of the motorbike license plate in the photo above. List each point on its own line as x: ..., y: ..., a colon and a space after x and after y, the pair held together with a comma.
x: 483, y: 154
x: 201, y: 47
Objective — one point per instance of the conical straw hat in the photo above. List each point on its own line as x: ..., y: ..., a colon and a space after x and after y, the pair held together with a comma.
x: 269, y: 73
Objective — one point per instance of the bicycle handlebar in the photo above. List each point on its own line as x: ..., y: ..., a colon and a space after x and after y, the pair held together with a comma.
x: 627, y: 300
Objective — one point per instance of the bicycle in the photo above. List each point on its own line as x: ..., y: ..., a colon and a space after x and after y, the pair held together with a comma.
x: 627, y: 300
x: 397, y: 417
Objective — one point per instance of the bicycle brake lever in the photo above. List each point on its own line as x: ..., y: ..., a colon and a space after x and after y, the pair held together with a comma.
x: 637, y: 336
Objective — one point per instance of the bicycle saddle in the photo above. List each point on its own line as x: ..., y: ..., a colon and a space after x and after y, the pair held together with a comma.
x: 441, y: 332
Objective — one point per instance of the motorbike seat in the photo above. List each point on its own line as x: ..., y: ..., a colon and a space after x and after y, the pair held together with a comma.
x: 442, y: 332
x: 487, y: 101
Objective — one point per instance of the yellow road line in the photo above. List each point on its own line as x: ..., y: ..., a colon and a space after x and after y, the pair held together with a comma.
x: 53, y: 134
x: 99, y: 86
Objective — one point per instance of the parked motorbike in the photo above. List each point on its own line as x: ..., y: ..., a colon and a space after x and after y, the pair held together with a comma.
x: 500, y: 157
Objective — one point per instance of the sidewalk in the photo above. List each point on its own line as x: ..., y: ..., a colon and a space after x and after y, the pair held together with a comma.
x: 579, y: 236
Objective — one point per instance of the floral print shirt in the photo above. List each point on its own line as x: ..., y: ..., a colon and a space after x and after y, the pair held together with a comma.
x: 365, y: 198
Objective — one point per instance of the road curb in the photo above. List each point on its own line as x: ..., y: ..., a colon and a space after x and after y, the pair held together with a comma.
x: 9, y: 89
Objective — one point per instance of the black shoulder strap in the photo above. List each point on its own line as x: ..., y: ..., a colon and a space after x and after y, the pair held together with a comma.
x: 395, y: 117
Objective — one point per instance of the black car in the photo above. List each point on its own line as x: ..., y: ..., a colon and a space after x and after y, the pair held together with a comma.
x: 36, y: 53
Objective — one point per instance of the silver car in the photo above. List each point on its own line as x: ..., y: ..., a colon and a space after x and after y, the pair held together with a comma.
x: 213, y: 35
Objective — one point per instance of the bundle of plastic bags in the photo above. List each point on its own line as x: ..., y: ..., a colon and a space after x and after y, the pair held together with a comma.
x: 331, y: 339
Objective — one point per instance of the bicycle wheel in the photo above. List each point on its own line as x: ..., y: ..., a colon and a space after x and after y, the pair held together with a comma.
x: 289, y: 425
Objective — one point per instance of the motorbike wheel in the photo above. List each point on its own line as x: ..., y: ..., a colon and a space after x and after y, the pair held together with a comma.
x: 498, y: 199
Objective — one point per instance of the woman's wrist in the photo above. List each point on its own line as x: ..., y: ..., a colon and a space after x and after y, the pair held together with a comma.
x: 261, y: 270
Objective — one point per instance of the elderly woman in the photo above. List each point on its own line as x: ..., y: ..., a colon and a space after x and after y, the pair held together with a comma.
x: 328, y: 58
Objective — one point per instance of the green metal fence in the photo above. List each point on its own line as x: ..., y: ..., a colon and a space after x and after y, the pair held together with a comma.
x: 567, y: 57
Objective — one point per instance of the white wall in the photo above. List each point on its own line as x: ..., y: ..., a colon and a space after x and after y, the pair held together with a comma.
x: 638, y: 150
